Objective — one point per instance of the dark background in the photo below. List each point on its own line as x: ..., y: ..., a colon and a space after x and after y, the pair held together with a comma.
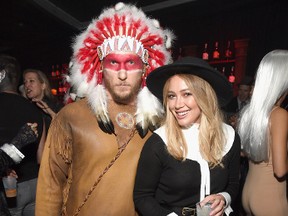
x: 40, y: 32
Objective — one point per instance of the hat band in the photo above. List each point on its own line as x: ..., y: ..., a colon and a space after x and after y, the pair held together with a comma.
x: 122, y: 43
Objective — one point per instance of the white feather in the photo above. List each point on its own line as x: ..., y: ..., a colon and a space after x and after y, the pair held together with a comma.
x: 148, y: 107
x: 98, y: 102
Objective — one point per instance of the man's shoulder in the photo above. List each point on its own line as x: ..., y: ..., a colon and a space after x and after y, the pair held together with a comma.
x: 76, y: 107
x: 17, y: 101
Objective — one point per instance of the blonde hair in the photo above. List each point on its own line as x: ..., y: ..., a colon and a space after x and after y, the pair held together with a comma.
x: 43, y: 79
x: 211, y: 134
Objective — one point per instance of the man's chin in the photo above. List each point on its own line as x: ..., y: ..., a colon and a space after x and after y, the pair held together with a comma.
x: 123, y: 98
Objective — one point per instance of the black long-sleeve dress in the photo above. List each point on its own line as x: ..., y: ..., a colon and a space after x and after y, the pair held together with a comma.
x: 163, y: 183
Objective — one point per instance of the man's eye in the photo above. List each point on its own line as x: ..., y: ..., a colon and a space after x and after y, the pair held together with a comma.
x: 113, y: 62
x: 131, y: 62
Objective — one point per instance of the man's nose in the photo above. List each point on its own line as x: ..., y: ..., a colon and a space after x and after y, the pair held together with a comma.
x: 122, y: 74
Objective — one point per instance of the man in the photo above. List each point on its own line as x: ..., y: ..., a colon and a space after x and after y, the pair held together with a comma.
x: 243, y: 96
x: 16, y: 111
x: 93, y: 145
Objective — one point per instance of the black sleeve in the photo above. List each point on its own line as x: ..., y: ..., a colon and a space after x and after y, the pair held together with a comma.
x: 5, y: 161
x: 147, y: 178
x: 234, y: 168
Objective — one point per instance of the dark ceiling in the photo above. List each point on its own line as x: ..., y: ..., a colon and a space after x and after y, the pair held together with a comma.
x: 40, y: 32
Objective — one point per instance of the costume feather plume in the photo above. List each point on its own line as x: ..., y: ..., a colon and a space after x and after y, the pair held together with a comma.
x: 149, y: 111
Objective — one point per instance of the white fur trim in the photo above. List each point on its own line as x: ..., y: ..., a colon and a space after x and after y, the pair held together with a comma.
x: 13, y: 152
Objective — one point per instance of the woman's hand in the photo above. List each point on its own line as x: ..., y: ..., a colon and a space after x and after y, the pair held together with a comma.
x: 218, y: 204
x: 41, y: 104
x: 44, y: 106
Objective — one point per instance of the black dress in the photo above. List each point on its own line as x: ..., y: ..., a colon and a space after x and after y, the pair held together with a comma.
x: 164, y: 184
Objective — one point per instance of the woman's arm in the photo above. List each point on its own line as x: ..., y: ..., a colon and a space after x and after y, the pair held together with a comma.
x: 279, y: 131
x: 147, y: 177
x: 44, y: 106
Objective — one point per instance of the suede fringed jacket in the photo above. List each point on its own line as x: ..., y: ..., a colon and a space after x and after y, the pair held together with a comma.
x: 76, y: 153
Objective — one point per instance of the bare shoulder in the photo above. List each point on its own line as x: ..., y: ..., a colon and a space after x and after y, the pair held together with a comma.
x: 279, y: 117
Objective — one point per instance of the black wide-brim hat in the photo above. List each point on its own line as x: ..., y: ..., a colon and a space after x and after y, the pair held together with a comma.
x: 194, y: 66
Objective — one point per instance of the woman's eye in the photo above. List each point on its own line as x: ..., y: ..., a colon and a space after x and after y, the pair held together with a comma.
x: 186, y: 94
x: 170, y: 96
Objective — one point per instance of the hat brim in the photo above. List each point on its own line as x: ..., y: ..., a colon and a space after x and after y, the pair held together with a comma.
x: 194, y: 66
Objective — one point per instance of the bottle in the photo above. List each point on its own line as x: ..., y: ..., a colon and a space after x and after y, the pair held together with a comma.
x: 216, y: 54
x: 60, y: 88
x: 228, y: 52
x: 205, y: 54
x: 232, y: 76
x: 53, y: 71
x: 57, y: 72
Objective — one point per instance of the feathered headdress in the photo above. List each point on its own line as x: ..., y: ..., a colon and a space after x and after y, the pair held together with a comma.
x: 120, y: 28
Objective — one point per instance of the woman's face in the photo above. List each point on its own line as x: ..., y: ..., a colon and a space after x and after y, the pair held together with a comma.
x: 181, y: 103
x: 34, y: 89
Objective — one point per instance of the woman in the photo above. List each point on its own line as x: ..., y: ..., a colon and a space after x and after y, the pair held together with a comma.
x: 263, y: 129
x: 193, y: 157
x: 37, y: 89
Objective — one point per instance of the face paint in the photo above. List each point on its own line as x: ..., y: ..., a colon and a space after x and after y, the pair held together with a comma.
x: 122, y: 76
x: 118, y: 61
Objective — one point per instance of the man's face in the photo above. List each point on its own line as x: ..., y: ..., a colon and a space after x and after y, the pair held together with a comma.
x: 244, y: 92
x: 122, y: 74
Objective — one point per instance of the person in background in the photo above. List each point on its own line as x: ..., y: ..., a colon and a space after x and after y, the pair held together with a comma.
x: 93, y: 144
x: 231, y: 113
x: 194, y: 156
x: 15, y: 111
x: 10, y: 154
x: 37, y: 88
x: 263, y: 130
x: 237, y: 103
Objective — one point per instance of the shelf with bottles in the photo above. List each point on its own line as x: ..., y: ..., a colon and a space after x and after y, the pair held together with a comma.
x: 221, y: 57
x: 59, y: 85
x: 219, y: 54
x: 58, y: 72
x: 228, y: 53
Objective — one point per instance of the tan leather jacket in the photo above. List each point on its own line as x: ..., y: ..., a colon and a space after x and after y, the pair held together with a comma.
x: 76, y: 153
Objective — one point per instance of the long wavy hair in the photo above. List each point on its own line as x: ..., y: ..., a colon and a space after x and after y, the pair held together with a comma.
x: 271, y: 83
x: 211, y: 135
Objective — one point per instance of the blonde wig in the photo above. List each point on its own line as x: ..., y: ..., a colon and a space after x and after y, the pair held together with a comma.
x: 211, y: 134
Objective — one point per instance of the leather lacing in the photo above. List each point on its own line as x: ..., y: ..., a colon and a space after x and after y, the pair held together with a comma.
x: 120, y: 150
